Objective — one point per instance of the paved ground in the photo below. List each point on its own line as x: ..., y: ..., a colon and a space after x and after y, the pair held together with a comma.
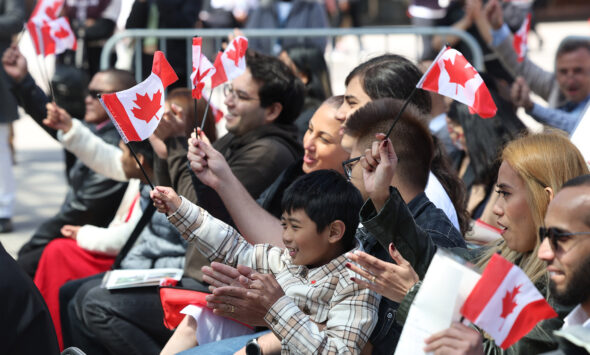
x: 39, y: 169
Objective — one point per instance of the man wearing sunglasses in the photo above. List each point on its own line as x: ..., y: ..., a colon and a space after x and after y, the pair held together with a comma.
x: 91, y: 198
x: 565, y: 248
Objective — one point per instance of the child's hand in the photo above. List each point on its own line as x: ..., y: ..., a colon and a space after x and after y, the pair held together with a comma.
x: 165, y: 199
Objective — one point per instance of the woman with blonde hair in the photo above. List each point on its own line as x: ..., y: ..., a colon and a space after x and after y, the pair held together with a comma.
x: 532, y: 171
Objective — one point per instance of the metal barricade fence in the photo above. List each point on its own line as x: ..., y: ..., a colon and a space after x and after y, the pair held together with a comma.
x: 219, y: 34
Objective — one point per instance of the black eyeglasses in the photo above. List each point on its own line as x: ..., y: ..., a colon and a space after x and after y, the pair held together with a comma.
x: 228, y: 90
x: 555, y: 235
x: 347, y: 166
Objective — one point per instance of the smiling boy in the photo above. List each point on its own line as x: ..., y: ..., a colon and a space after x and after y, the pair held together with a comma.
x: 313, y: 306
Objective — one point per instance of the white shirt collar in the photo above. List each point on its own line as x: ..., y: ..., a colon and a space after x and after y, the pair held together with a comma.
x: 577, y: 317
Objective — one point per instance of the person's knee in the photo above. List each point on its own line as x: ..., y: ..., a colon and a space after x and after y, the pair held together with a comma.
x: 96, y: 308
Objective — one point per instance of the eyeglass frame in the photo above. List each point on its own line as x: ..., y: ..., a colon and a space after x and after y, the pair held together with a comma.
x: 229, y: 89
x: 554, y: 234
x: 347, y: 166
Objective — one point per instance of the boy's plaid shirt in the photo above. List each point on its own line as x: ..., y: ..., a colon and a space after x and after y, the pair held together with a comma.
x: 322, y: 296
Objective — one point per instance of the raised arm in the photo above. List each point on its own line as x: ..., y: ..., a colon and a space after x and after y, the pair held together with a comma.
x: 95, y: 153
x: 539, y: 80
x: 256, y: 224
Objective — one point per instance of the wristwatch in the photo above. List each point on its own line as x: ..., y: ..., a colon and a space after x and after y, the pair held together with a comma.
x: 253, y: 348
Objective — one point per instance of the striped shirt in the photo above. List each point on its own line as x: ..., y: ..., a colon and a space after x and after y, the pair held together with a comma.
x: 324, y: 296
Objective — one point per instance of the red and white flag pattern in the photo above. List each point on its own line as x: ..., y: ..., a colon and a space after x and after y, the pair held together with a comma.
x: 505, y: 303
x: 231, y: 63
x: 521, y: 37
x: 202, y: 69
x: 137, y: 111
x: 44, y: 11
x: 58, y: 36
x: 451, y: 75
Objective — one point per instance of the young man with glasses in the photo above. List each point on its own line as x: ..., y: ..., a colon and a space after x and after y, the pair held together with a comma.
x: 565, y: 248
x: 261, y: 142
x: 91, y: 198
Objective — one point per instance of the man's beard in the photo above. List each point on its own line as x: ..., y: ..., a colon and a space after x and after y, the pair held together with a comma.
x: 577, y: 289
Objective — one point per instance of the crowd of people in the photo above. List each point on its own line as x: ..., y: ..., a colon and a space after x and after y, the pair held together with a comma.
x: 309, y: 229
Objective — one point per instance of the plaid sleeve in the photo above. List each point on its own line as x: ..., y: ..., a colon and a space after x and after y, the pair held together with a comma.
x: 216, y: 240
x: 351, y: 320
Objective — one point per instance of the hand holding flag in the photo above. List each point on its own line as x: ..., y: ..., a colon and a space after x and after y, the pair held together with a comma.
x: 451, y: 75
x: 505, y: 303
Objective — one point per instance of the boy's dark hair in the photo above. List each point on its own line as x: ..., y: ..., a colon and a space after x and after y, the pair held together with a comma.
x: 411, y: 139
x: 144, y: 148
x: 394, y: 76
x: 326, y: 196
x: 277, y: 84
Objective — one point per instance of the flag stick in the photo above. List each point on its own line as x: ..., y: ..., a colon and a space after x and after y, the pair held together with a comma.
x: 399, y: 114
x: 20, y: 35
x: 140, y: 166
x: 207, y: 108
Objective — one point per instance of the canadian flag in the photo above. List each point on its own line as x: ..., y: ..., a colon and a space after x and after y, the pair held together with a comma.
x: 505, y: 303
x: 451, y: 75
x: 521, y: 37
x: 231, y: 63
x: 202, y: 69
x: 44, y: 11
x: 137, y: 111
x: 58, y: 36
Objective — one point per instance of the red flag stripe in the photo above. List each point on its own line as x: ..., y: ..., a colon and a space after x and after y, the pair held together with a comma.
x: 163, y: 69
x: 481, y: 100
x: 527, y: 319
x: 119, y: 117
x: 34, y: 36
x: 219, y: 77
x: 474, y: 305
x: 48, y: 41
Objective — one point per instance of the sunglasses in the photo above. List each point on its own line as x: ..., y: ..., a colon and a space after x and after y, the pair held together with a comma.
x: 95, y: 93
x: 556, y: 236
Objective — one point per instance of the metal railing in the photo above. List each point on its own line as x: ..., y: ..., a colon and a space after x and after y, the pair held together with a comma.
x: 218, y: 34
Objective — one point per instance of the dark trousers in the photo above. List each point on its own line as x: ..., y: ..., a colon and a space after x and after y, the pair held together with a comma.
x: 98, y: 321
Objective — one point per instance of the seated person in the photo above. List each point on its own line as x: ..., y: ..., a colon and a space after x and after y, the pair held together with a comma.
x: 88, y: 191
x: 567, y: 89
x: 533, y: 169
x: 312, y: 306
x: 91, y: 249
x: 476, y: 161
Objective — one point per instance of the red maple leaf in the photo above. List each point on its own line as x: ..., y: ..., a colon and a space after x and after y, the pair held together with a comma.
x: 459, y: 72
x: 51, y: 10
x: 240, y: 47
x: 147, y: 108
x: 199, y: 85
x: 61, y: 33
x: 508, y: 303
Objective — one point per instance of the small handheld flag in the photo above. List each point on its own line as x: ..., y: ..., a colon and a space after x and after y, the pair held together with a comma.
x: 202, y: 69
x: 231, y: 63
x: 137, y: 111
x: 451, y: 75
x: 505, y: 303
x: 520, y: 41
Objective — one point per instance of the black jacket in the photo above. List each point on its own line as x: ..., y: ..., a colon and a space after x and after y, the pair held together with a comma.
x: 91, y: 198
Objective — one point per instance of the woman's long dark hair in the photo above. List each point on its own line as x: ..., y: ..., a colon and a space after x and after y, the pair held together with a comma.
x: 310, y: 62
